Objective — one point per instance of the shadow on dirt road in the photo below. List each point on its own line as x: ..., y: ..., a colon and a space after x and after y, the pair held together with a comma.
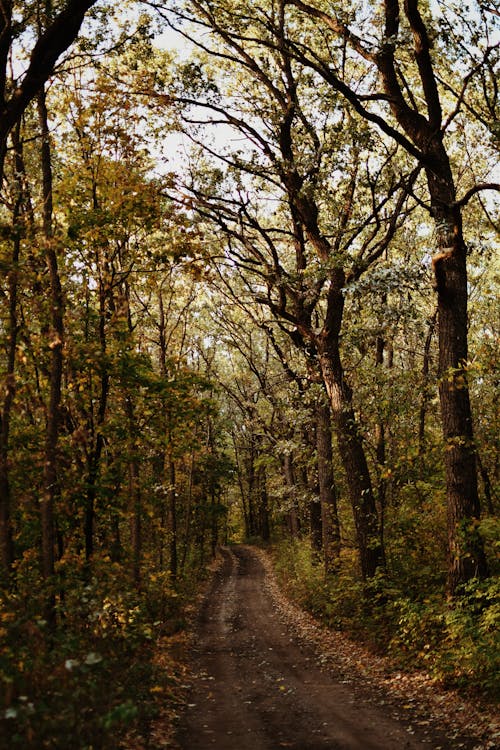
x: 256, y: 688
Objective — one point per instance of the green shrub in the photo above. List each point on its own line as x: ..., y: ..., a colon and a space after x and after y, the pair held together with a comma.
x: 456, y: 642
x: 87, y: 682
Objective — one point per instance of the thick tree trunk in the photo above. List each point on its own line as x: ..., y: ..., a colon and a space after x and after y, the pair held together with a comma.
x: 466, y: 553
x: 349, y: 439
x: 56, y: 335
x: 354, y: 462
x: 420, y: 119
x: 292, y: 515
x: 6, y: 541
x: 327, y: 492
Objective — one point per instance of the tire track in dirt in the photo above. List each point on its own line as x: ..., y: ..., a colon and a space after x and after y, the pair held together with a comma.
x: 255, y: 687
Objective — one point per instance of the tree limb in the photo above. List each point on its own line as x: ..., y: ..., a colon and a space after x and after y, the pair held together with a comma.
x: 476, y: 189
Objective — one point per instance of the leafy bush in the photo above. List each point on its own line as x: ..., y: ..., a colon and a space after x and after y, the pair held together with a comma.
x: 471, y: 653
x: 87, y: 682
x: 456, y: 642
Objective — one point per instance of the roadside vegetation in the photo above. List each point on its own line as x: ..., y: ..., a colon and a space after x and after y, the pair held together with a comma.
x: 413, y: 623
x: 248, y: 290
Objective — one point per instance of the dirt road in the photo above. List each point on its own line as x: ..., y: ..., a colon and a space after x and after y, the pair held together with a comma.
x: 257, y: 688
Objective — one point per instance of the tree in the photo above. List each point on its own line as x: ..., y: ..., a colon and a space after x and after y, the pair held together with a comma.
x: 18, y: 202
x: 299, y: 272
x: 59, y: 34
x: 55, y: 334
x: 419, y: 126
x: 353, y: 53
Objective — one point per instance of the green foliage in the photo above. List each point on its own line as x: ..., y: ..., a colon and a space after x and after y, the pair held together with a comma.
x: 94, y: 678
x: 457, y: 642
x: 471, y: 652
x: 171, y: 286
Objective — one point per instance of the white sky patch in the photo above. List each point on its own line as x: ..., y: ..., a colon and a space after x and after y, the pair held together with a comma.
x: 173, y: 41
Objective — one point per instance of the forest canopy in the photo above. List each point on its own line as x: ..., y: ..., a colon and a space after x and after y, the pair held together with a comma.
x: 249, y: 291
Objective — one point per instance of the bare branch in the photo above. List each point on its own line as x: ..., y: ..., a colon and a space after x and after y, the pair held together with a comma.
x: 476, y: 189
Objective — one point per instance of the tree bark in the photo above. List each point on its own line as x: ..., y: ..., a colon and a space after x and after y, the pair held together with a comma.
x: 327, y: 491
x: 169, y: 474
x: 135, y: 499
x: 466, y: 552
x: 356, y: 469
x: 465, y: 548
x: 420, y: 132
x: 172, y: 515
x: 292, y: 515
x: 381, y: 449
x: 425, y: 384
x: 6, y: 540
x: 106, y: 308
x: 51, y: 488
x: 349, y: 439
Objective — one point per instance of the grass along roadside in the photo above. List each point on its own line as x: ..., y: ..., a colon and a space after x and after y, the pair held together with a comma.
x: 298, y: 590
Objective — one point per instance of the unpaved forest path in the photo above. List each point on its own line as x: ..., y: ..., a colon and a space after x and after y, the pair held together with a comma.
x: 255, y: 686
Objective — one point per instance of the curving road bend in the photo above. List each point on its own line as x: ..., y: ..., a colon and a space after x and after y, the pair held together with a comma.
x: 256, y: 688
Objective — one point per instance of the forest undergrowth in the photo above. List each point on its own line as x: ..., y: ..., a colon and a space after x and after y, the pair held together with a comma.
x: 104, y: 673
x: 112, y: 672
x: 413, y: 622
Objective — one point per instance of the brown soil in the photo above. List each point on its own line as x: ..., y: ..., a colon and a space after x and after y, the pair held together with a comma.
x: 257, y: 686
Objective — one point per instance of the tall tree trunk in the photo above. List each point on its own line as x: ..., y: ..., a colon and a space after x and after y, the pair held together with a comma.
x: 135, y: 499
x: 420, y: 133
x: 465, y: 548
x: 316, y: 523
x: 172, y: 515
x: 466, y: 552
x: 381, y: 449
x: 292, y: 515
x: 358, y: 478
x: 6, y: 541
x: 188, y: 512
x: 51, y: 488
x: 425, y: 385
x: 349, y: 439
x: 169, y: 464
x: 327, y: 491
x: 106, y: 306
